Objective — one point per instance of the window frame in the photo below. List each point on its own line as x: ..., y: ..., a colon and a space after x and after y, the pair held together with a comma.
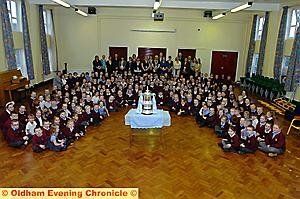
x: 48, y: 22
x: 284, y: 60
x: 258, y: 30
x: 21, y: 62
x: 18, y: 26
x: 254, y: 64
x: 289, y: 26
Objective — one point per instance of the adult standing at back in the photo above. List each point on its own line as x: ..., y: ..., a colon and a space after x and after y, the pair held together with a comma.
x: 176, y: 68
x: 103, y: 66
x: 96, y: 64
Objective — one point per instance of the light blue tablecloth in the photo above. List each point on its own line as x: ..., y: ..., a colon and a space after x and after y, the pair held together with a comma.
x: 157, y: 120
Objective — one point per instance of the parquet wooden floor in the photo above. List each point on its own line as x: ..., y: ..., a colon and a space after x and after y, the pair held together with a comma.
x: 188, y: 164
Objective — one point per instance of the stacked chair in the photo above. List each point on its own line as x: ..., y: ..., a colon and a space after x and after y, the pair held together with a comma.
x: 266, y: 87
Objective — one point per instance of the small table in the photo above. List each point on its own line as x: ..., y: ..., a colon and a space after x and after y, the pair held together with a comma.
x: 139, y: 121
x: 156, y: 120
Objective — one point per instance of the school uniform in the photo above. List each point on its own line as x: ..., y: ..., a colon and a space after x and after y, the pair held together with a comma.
x: 247, y: 107
x: 276, y: 142
x: 37, y: 141
x: 46, y: 133
x: 195, y: 109
x: 260, y: 128
x: 88, y: 117
x: 39, y: 121
x: 160, y: 101
x: 251, y: 144
x: 32, y: 105
x: 199, y: 117
x: 112, y: 106
x: 96, y: 117
x: 130, y: 99
x: 63, y: 123
x: 211, y: 120
x: 120, y: 101
x: 69, y: 134
x: 270, y: 120
x: 221, y: 129
x: 14, y: 138
x: 235, y: 143
x: 51, y: 145
x: 184, y: 109
x: 264, y: 134
x: 239, y: 129
x: 22, y: 117
x: 174, y: 107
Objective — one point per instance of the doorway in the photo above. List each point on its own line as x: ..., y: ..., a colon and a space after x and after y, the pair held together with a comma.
x: 224, y: 63
x: 121, y: 51
x: 142, y: 52
x: 187, y: 52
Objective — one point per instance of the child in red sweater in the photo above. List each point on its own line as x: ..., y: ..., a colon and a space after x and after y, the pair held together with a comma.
x: 232, y: 143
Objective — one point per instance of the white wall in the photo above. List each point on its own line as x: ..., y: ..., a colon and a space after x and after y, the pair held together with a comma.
x: 81, y: 38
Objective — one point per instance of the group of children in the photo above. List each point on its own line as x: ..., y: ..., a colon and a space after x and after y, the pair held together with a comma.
x: 243, y: 129
x: 60, y: 116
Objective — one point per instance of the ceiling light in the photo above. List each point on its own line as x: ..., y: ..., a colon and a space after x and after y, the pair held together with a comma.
x: 219, y: 16
x: 242, y: 7
x: 81, y: 12
x: 60, y: 2
x: 157, y: 4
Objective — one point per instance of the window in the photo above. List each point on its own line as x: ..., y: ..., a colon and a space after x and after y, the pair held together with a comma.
x: 13, y: 8
x: 285, y: 65
x: 20, y: 59
x: 259, y: 27
x: 254, y: 64
x: 48, y: 22
x: 51, y: 59
x: 294, y: 20
x: 51, y: 45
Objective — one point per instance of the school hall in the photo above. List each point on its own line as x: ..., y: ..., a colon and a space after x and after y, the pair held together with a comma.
x: 219, y: 80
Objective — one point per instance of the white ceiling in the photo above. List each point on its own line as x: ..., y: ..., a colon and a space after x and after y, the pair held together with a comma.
x: 258, y: 5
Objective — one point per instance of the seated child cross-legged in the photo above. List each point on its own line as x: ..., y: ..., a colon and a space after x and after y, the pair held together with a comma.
x: 222, y: 128
x: 232, y: 143
x: 39, y: 142
x: 274, y: 143
x: 54, y: 143
x: 251, y: 144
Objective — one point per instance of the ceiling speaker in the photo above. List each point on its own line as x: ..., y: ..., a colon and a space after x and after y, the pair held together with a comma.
x: 207, y: 13
x: 158, y: 16
x: 91, y: 10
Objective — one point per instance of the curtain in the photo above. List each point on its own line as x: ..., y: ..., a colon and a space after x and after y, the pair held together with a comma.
x: 280, y: 44
x: 44, y: 48
x: 27, y: 45
x: 251, y: 46
x: 293, y: 73
x: 7, y: 37
x: 262, y: 46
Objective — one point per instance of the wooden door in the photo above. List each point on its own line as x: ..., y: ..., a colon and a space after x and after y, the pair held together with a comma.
x: 121, y: 51
x: 142, y: 52
x: 224, y: 63
x: 187, y: 52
